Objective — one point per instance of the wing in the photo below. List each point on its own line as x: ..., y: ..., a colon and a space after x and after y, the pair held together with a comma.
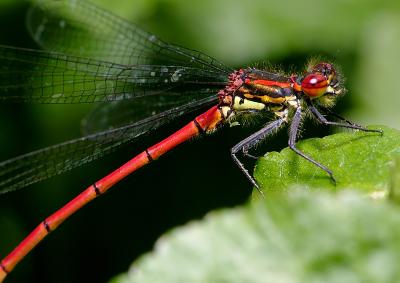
x: 82, y: 29
x: 47, y: 77
x: 107, y: 116
x: 109, y: 60
x: 39, y: 165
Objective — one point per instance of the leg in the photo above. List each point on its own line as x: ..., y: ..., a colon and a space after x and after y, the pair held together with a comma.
x: 350, y: 125
x: 246, y: 153
x: 250, y: 142
x: 294, y: 129
x: 338, y: 116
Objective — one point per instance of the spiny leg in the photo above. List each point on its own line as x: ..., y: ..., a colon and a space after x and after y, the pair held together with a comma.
x: 334, y: 114
x: 350, y: 125
x: 293, y: 132
x: 250, y: 142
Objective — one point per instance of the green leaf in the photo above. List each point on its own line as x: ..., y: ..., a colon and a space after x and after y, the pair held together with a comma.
x: 301, y: 237
x: 358, y: 160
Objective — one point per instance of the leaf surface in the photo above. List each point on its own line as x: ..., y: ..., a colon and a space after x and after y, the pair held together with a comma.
x: 357, y: 159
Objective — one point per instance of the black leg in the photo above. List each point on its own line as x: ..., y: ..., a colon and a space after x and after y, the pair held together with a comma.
x: 293, y: 132
x: 327, y: 110
x: 250, y: 142
x: 350, y: 125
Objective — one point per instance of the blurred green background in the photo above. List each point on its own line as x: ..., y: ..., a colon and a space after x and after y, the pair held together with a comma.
x: 362, y: 37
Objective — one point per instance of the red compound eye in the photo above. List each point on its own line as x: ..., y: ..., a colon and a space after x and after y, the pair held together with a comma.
x: 314, y: 85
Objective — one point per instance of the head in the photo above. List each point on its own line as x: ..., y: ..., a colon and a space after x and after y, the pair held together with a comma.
x: 322, y: 84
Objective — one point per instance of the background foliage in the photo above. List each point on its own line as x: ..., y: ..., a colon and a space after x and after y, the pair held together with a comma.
x: 362, y: 37
x: 281, y: 240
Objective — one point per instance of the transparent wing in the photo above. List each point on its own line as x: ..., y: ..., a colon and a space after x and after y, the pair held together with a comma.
x: 109, y: 60
x: 107, y: 116
x: 39, y: 165
x: 47, y: 77
x: 82, y: 29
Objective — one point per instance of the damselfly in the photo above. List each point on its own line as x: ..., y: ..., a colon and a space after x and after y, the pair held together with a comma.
x: 128, y: 68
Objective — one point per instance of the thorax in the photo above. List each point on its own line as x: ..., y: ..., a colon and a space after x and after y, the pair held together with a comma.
x: 253, y: 90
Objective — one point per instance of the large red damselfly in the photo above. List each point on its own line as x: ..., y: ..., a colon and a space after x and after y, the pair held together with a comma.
x: 124, y: 67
